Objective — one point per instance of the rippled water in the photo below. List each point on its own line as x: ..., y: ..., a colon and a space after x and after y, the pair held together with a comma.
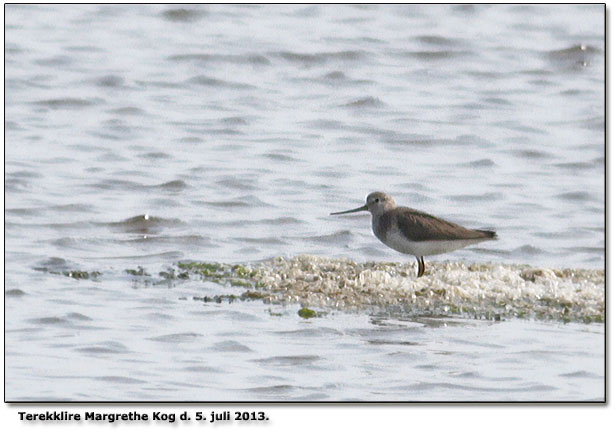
x: 141, y: 136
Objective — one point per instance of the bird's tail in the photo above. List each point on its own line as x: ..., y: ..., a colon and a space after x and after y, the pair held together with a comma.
x: 488, y: 234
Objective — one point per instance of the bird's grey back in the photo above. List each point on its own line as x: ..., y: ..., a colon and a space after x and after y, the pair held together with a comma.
x: 419, y: 226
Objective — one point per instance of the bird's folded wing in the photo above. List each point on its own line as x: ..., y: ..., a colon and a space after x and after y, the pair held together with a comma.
x: 418, y: 226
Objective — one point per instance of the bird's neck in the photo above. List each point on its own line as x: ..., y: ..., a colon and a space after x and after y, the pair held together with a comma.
x: 382, y: 210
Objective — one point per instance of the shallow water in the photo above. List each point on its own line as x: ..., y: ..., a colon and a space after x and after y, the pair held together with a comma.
x: 111, y: 341
x: 146, y: 135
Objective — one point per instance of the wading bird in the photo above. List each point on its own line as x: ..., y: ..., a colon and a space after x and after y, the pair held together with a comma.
x: 416, y: 233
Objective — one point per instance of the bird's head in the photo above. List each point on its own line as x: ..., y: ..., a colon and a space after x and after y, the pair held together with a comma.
x: 376, y: 203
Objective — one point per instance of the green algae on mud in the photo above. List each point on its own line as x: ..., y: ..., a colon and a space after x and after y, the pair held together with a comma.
x: 81, y: 274
x: 482, y: 291
x: 308, y: 313
x: 74, y: 274
x: 140, y: 271
x: 230, y: 298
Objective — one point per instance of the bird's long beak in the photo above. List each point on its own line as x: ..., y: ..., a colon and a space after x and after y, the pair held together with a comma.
x: 358, y: 209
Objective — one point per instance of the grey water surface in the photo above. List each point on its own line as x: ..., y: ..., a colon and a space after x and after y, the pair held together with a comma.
x: 143, y: 135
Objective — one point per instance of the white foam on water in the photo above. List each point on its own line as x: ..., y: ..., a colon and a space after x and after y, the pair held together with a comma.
x: 490, y: 291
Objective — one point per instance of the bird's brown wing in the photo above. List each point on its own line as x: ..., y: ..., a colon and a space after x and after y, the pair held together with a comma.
x: 418, y: 226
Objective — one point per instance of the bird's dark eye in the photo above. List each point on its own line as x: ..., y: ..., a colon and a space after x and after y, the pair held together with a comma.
x: 377, y: 199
